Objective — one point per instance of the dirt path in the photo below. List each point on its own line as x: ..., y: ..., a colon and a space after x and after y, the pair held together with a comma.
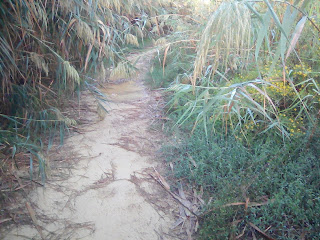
x: 109, y: 193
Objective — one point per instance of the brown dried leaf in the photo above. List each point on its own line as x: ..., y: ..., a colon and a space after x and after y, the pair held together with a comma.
x: 254, y: 236
x: 162, y: 180
x: 189, y: 229
x: 165, y: 58
x: 296, y: 35
x: 185, y: 202
x: 182, y: 212
x: 177, y: 223
x: 88, y: 56
x: 260, y: 231
x: 171, y: 166
x: 197, y: 226
x: 193, y: 162
x: 34, y: 219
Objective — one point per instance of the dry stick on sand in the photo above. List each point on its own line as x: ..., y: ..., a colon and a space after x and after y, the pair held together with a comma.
x: 159, y: 179
x: 30, y: 209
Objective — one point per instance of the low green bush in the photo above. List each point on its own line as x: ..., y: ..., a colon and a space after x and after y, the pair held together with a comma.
x: 284, y: 179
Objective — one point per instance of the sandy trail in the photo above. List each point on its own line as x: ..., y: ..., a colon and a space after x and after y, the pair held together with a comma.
x: 108, y: 194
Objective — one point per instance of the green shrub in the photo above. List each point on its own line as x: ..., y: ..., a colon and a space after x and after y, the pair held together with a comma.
x: 285, y: 178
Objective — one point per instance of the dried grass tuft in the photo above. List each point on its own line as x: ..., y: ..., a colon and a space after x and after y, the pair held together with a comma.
x: 160, y: 42
x: 227, y: 37
x: 84, y: 32
x: 71, y: 72
x: 40, y: 62
x: 123, y: 70
x: 131, y: 39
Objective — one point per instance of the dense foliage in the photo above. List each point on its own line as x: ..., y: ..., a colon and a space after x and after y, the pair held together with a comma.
x: 243, y: 83
x: 246, y: 88
x: 279, y: 183
x: 50, y: 50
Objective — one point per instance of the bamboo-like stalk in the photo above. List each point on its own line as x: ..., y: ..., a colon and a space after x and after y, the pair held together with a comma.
x: 46, y: 46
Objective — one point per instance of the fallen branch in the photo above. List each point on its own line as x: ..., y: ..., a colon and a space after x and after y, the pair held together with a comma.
x: 246, y: 204
x: 5, y: 220
x: 34, y: 219
x: 175, y: 196
x: 29, y: 208
x: 260, y: 231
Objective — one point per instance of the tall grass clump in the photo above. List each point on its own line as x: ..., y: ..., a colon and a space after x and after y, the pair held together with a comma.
x: 48, y: 51
x: 170, y: 65
x: 226, y: 38
x: 266, y: 82
x: 176, y: 51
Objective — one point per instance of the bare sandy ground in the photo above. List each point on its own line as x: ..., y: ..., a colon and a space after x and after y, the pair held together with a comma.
x: 109, y: 193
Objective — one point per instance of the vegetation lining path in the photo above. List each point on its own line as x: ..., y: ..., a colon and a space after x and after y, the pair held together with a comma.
x: 110, y: 194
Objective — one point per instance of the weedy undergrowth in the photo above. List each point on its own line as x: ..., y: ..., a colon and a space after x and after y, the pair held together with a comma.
x: 250, y: 106
x: 265, y: 185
